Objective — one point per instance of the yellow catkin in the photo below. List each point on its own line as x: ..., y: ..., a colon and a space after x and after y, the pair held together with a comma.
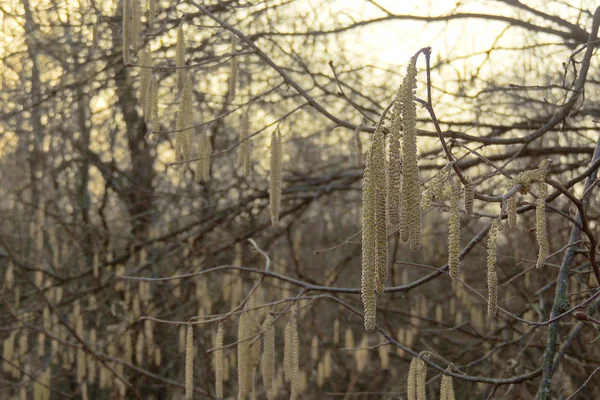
x: 287, y: 353
x: 540, y: 226
x: 219, y: 362
x: 295, y: 380
x: 411, y: 385
x: 421, y: 379
x: 268, y: 357
x: 244, y: 150
x: 234, y: 71
x: 183, y: 138
x: 381, y: 242
x: 314, y: 348
x: 152, y: 12
x: 411, y: 192
x: 145, y: 76
x: 349, y: 339
x: 368, y: 245
x: 204, y: 159
x: 361, y: 355
x: 384, y: 357
x: 336, y: 332
x: 328, y: 365
x: 394, y: 170
x: 454, y: 233
x: 139, y: 349
x: 469, y: 195
x: 127, y: 21
x: 275, y: 178
x: 189, y: 362
x: 492, y: 279
x: 180, y: 58
x: 511, y: 211
x: 244, y: 358
x: 447, y: 388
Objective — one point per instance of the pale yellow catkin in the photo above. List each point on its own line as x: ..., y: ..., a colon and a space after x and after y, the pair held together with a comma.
x: 492, y: 279
x: 421, y: 379
x: 234, y: 71
x: 287, y: 353
x: 410, y: 229
x: 394, y: 166
x: 328, y: 365
x: 540, y: 226
x: 411, y: 385
x: 296, y: 383
x: 336, y: 332
x: 152, y: 12
x: 180, y: 58
x: 349, y: 339
x: 244, y: 358
x: 511, y: 211
x: 218, y: 354
x: 268, y: 356
x: 136, y: 14
x: 314, y: 348
x: 368, y: 245
x: 244, y: 150
x: 361, y: 355
x: 183, y: 138
x: 381, y: 242
x: 275, y: 178
x: 447, y: 388
x: 384, y: 357
x: 127, y: 21
x: 145, y: 76
x: 469, y: 195
x: 454, y: 233
x: 204, y: 159
x: 189, y: 362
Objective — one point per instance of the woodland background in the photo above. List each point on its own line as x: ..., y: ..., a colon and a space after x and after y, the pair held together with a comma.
x: 89, y: 194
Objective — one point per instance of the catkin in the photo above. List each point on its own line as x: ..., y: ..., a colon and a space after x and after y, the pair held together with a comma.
x: 183, y: 138
x: 511, y: 211
x: 492, y: 279
x: 314, y: 348
x: 368, y: 245
x: 295, y: 358
x: 287, y: 353
x: 151, y: 12
x: 394, y: 170
x: 411, y: 385
x: 219, y: 362
x: 275, y: 178
x: 268, y: 356
x: 244, y: 358
x: 361, y: 355
x: 244, y: 151
x: 469, y: 195
x: 421, y: 379
x: 180, y: 58
x: 447, y: 389
x: 204, y: 159
x: 454, y: 233
x: 127, y: 20
x: 540, y: 226
x: 145, y: 76
x: 381, y: 242
x: 410, y: 229
x: 189, y: 362
x: 135, y: 24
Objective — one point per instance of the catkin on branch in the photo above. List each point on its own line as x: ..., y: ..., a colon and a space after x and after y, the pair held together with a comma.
x: 183, y: 138
x: 368, y: 245
x: 421, y: 379
x: 469, y: 195
x: 244, y: 151
x: 295, y: 358
x: 219, y: 362
x: 381, y: 242
x: 268, y: 356
x: 540, y: 226
x: 411, y: 385
x: 275, y: 178
x: 127, y: 20
x: 410, y: 228
x: 244, y: 357
x: 287, y: 353
x: 180, y: 58
x: 511, y: 211
x: 394, y: 171
x: 145, y: 76
x: 454, y: 232
x: 204, y: 159
x: 492, y: 279
x: 447, y: 388
x: 189, y: 362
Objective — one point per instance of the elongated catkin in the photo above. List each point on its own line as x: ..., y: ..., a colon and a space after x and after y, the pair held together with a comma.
x: 469, y: 195
x: 244, y: 150
x: 295, y: 361
x: 540, y: 226
x: 454, y: 233
x: 368, y: 245
x: 180, y: 58
x: 275, y: 178
x: 219, y: 362
x: 511, y: 211
x: 492, y: 279
x: 268, y: 356
x: 447, y: 388
x: 411, y: 385
x: 183, y: 138
x: 189, y: 363
x: 410, y: 229
x: 126, y: 30
x: 381, y: 242
x: 234, y: 71
x: 244, y: 358
x: 145, y: 76
x: 394, y: 170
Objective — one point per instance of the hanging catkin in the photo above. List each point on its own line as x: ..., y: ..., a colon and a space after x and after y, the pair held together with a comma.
x: 511, y: 211
x: 135, y: 24
x: 233, y: 73
x: 411, y: 193
x: 368, y: 245
x: 381, y: 242
x: 469, y: 195
x: 287, y: 353
x: 183, y: 138
x: 295, y: 358
x: 151, y: 12
x: 180, y: 58
x: 447, y: 389
x: 421, y: 379
x: 204, y: 159
x: 268, y: 356
x: 243, y: 155
x: 244, y: 358
x: 275, y: 178
x: 126, y: 30
x: 145, y: 76
x: 189, y: 362
x: 492, y: 279
x: 454, y: 232
x: 219, y: 362
x: 395, y: 162
x: 540, y: 225
x: 411, y: 385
